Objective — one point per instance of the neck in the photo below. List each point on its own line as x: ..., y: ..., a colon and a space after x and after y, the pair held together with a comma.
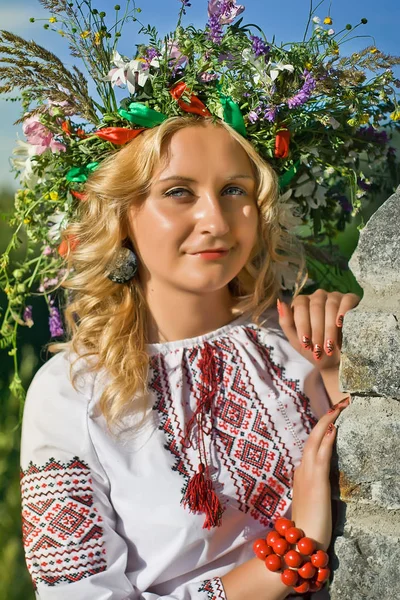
x: 178, y: 314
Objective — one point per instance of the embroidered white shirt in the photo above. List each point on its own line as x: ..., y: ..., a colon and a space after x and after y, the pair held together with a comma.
x: 102, y: 514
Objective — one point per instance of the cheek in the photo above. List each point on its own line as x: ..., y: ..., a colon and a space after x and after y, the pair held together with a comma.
x: 155, y: 229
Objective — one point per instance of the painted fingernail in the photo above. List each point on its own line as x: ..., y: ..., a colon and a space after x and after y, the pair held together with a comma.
x: 279, y: 307
x: 340, y: 321
x: 317, y: 353
x: 330, y: 429
x: 329, y: 347
x: 306, y: 342
x: 344, y: 403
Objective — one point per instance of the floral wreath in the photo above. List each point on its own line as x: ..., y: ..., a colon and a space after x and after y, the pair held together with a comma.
x: 318, y: 116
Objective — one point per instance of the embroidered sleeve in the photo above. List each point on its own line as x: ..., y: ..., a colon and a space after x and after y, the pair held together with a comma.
x: 72, y: 547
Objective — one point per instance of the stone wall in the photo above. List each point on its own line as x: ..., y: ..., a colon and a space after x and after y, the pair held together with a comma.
x: 366, y: 543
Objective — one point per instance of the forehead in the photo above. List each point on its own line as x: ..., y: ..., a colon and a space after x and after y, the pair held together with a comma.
x: 204, y: 149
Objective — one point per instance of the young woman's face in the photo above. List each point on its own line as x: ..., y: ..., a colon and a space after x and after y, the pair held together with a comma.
x: 202, y: 200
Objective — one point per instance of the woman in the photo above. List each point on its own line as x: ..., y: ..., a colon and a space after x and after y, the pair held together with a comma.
x: 163, y: 440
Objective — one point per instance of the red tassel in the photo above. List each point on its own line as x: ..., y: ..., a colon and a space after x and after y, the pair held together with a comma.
x: 200, y: 497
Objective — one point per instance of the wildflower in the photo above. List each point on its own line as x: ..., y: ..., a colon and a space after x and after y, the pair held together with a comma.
x: 316, y: 20
x: 53, y: 20
x: 395, y: 115
x: 259, y: 47
x: 331, y: 31
x: 374, y: 50
x: 85, y: 34
x: 39, y: 136
x: 364, y: 119
x: 221, y: 12
x: 97, y: 38
x: 207, y: 77
x: 305, y: 92
x: 308, y: 66
x: 28, y: 316
x: 253, y: 116
x: 280, y: 67
x: 55, y: 324
x: 185, y: 4
x: 328, y: 21
x: 47, y: 251
x: 270, y: 113
x: 54, y: 196
x: 130, y: 73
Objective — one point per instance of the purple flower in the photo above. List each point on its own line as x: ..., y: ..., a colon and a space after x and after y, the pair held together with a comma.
x: 270, y: 113
x: 55, y: 324
x: 304, y: 94
x: 28, y: 316
x: 373, y: 135
x: 221, y: 12
x: 259, y: 47
x: 253, y: 116
x: 363, y: 184
x: 47, y: 251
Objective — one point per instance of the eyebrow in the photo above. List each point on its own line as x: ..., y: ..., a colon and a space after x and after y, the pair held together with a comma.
x: 189, y: 179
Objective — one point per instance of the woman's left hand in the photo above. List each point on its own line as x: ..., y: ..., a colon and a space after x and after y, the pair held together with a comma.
x: 313, y: 323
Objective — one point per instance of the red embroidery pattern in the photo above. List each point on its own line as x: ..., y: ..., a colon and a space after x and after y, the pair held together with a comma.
x: 248, y: 443
x: 214, y: 589
x: 62, y: 535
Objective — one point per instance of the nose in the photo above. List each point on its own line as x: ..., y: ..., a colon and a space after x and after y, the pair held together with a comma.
x: 211, y: 216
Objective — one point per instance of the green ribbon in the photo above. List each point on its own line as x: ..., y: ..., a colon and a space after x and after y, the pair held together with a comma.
x: 142, y: 115
x: 287, y: 177
x: 80, y: 174
x: 232, y: 113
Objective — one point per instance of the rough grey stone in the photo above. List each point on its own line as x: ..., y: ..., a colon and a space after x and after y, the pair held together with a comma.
x: 376, y: 261
x: 367, y: 566
x: 371, y: 353
x: 367, y: 449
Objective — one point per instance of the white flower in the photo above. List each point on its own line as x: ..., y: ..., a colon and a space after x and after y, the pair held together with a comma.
x: 316, y: 20
x: 257, y: 63
x: 280, y: 67
x: 24, y: 153
x: 132, y: 73
x: 331, y: 31
x: 57, y: 222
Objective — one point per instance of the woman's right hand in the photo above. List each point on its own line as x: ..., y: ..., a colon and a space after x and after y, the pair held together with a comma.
x: 311, y: 508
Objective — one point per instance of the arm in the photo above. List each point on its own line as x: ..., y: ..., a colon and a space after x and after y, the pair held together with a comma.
x: 72, y: 546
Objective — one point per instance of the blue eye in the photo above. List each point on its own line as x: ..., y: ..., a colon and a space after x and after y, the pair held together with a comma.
x: 233, y: 187
x: 175, y: 191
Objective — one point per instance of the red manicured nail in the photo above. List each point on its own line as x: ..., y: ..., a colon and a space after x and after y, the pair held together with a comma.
x: 279, y: 307
x: 306, y: 342
x: 340, y: 321
x: 344, y: 403
x: 317, y: 352
x: 330, y: 429
x: 329, y: 347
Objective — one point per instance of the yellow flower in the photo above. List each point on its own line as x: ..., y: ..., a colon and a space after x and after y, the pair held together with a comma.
x: 85, y: 34
x: 97, y: 38
x: 364, y: 119
x: 308, y: 66
x: 53, y: 195
x: 395, y: 116
x: 53, y: 20
x: 328, y: 21
x: 27, y: 220
x: 335, y: 50
x: 374, y: 50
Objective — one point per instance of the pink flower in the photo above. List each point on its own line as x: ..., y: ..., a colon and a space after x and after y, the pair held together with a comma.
x: 175, y: 54
x: 225, y: 10
x: 39, y: 136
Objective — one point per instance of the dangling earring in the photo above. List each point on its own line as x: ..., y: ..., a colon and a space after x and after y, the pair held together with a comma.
x: 124, y: 267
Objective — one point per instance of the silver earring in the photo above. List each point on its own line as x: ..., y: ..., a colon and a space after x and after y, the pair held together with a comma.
x: 124, y: 267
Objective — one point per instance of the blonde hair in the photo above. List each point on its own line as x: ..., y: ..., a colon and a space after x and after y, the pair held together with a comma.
x: 107, y: 321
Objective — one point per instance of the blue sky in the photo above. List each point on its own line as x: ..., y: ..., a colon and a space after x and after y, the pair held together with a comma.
x: 286, y: 22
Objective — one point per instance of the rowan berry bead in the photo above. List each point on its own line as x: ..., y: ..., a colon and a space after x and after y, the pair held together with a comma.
x: 306, y: 546
x: 307, y: 571
x: 280, y: 546
x: 323, y: 574
x: 273, y: 562
x: 261, y: 549
x: 272, y: 537
x: 302, y: 587
x: 320, y: 559
x: 289, y: 577
x: 293, y: 535
x: 293, y: 559
x: 315, y: 586
x: 282, y: 525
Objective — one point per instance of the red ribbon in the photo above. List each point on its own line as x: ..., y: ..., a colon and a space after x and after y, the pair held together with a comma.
x: 79, y: 195
x: 196, y: 106
x: 282, y: 141
x: 67, y: 245
x: 117, y: 135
